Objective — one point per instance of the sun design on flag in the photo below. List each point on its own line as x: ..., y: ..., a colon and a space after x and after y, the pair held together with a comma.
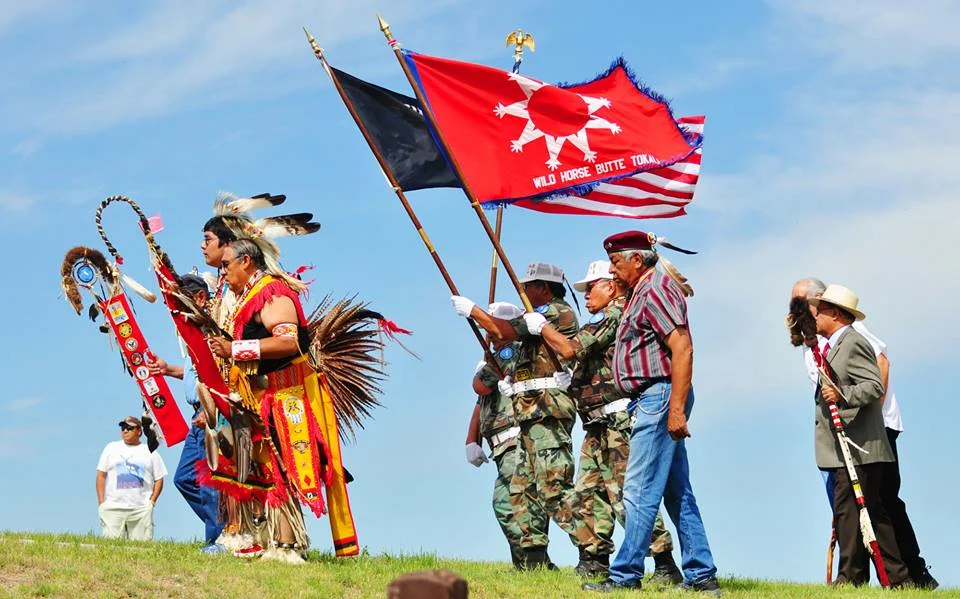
x: 557, y: 115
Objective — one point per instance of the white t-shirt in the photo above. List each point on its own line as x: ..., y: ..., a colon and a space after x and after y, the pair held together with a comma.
x: 891, y: 409
x: 131, y: 472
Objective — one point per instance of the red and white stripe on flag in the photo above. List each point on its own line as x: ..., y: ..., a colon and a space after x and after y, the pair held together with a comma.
x: 660, y: 193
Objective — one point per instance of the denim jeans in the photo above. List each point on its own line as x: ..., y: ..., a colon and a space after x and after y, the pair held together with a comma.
x: 657, y: 470
x: 202, y: 500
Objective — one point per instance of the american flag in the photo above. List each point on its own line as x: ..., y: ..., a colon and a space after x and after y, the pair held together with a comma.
x: 660, y: 193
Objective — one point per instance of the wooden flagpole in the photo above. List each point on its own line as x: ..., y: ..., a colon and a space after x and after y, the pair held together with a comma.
x: 388, y: 172
x: 478, y: 210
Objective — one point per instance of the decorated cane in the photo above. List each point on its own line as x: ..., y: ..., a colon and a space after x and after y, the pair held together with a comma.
x: 866, y: 526
x: 85, y: 267
x: 192, y: 324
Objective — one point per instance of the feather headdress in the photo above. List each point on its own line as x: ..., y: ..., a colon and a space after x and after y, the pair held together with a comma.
x: 232, y: 210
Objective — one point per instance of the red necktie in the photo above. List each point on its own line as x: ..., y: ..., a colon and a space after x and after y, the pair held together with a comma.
x: 824, y: 352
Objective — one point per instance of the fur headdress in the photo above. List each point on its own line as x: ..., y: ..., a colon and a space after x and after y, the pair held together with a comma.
x: 232, y: 211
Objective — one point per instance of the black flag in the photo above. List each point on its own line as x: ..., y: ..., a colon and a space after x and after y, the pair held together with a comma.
x: 396, y: 124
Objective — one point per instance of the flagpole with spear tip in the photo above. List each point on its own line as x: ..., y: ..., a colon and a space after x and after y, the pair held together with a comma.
x: 391, y: 178
x: 518, y: 39
x: 484, y: 221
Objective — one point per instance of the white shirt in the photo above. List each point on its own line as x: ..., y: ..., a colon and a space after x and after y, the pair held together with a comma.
x: 891, y: 409
x: 131, y: 472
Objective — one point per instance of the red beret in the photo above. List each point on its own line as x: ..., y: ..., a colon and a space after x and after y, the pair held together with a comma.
x: 629, y: 240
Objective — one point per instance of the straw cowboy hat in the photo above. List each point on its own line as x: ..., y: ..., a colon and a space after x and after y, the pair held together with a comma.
x: 841, y: 297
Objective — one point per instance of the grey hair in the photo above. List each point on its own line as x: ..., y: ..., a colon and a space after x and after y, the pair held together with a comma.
x: 815, y: 287
x: 648, y: 257
x: 246, y: 247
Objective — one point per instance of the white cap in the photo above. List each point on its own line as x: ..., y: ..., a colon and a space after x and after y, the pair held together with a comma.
x: 597, y: 270
x: 541, y: 271
x: 505, y: 310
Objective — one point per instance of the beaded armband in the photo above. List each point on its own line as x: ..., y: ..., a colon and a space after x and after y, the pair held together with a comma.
x: 284, y: 329
x: 245, y: 350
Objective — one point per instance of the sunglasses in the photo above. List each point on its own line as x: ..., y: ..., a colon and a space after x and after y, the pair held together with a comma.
x: 128, y: 427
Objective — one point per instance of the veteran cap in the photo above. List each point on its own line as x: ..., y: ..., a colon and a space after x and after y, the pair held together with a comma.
x: 541, y: 271
x: 599, y: 269
x: 629, y: 240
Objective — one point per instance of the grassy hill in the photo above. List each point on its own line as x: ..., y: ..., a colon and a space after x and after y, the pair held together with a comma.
x: 34, y: 565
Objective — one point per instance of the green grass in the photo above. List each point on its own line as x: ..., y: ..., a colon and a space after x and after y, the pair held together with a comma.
x: 35, y: 565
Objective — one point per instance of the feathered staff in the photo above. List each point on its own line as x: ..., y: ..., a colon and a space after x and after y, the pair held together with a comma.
x: 84, y: 267
x: 191, y: 322
x: 866, y: 526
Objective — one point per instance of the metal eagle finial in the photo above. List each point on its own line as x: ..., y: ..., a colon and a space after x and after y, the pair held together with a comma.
x: 519, y: 39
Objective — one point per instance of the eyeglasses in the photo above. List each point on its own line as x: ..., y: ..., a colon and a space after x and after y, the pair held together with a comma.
x: 207, y: 241
x: 128, y: 427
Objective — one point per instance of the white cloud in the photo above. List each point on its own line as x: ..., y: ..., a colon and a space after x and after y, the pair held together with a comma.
x: 184, y: 55
x: 23, y: 404
x: 13, y: 12
x: 877, y: 35
x: 15, y: 203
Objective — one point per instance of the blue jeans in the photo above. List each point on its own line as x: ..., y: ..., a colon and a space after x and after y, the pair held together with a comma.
x: 657, y: 470
x: 204, y: 501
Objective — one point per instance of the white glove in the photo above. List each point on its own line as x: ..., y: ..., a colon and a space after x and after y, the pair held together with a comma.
x: 480, y: 366
x: 563, y: 379
x: 535, y: 322
x: 462, y: 305
x: 505, y: 386
x: 475, y: 455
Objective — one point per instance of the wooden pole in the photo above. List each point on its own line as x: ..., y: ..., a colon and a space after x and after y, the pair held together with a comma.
x: 478, y: 210
x: 493, y: 265
x: 318, y: 52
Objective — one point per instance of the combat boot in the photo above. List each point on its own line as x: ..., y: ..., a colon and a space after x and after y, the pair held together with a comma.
x: 536, y: 557
x: 592, y: 564
x: 666, y: 571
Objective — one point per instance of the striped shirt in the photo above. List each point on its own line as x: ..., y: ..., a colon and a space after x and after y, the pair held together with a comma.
x: 655, y: 309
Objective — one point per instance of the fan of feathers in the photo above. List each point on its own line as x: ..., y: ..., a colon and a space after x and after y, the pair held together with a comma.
x: 69, y: 284
x: 346, y: 347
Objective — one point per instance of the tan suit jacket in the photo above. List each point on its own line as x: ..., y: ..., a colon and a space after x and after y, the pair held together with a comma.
x: 854, y: 368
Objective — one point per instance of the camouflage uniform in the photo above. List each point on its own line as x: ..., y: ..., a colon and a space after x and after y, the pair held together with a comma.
x: 603, y: 456
x: 546, y: 467
x: 496, y: 416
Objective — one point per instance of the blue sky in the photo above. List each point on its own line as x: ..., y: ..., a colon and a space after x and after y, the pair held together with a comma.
x: 830, y: 150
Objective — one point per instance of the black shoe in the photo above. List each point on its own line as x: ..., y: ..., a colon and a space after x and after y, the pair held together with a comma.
x: 906, y: 584
x: 592, y: 565
x: 924, y: 580
x: 666, y: 571
x: 606, y: 586
x: 709, y: 586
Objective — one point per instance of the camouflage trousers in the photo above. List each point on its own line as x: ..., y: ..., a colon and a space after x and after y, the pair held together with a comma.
x: 599, y: 486
x: 544, y: 476
x: 503, y: 509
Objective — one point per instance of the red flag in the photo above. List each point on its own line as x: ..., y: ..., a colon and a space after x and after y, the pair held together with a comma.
x: 515, y: 137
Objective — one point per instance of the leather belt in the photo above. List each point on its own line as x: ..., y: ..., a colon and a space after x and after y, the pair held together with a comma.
x: 613, y: 407
x: 504, y: 436
x: 534, y: 385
